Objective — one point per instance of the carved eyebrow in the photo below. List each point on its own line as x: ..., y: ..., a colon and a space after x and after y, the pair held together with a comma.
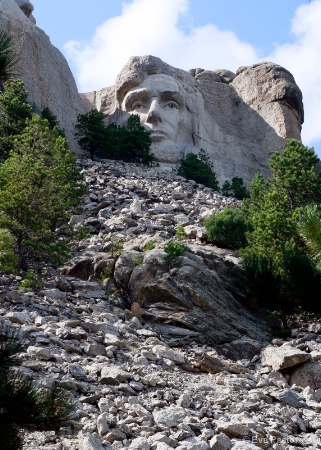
x: 172, y: 95
x: 141, y: 94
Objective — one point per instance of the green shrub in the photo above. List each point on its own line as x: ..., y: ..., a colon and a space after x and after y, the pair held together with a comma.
x: 173, y: 250
x: 180, y: 233
x: 302, y: 282
x: 298, y: 285
x: 32, y: 281
x: 8, y: 257
x: 227, y: 229
x: 150, y: 245
x: 235, y: 188
x: 106, y: 273
x: 198, y: 168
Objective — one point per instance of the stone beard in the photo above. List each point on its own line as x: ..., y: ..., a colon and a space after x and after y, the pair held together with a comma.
x: 161, y: 103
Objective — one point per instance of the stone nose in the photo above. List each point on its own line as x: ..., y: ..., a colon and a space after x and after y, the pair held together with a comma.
x: 154, y: 113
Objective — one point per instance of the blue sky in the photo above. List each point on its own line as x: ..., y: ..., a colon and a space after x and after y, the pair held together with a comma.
x: 98, y: 37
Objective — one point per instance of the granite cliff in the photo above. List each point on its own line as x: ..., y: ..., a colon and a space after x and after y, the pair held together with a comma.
x: 239, y: 119
x: 42, y: 67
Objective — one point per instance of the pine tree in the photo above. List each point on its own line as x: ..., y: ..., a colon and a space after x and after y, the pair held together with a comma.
x: 309, y: 226
x: 14, y: 112
x: 135, y: 143
x: 295, y: 175
x: 47, y: 114
x: 130, y: 143
x: 8, y: 58
x: 91, y: 134
x: 198, y: 168
x: 284, y: 246
x: 39, y: 184
x: 273, y: 207
x: 235, y: 188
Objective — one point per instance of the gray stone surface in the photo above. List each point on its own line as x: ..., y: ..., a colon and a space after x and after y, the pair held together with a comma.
x: 169, y: 417
x: 308, y: 374
x: 89, y: 442
x: 195, y: 296
x: 289, y: 397
x: 220, y: 442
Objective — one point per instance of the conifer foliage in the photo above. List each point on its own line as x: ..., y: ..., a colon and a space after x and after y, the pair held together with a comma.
x: 129, y: 143
x: 8, y: 57
x: 198, y: 168
x: 39, y: 184
x: 14, y: 113
x: 22, y: 405
x: 282, y: 258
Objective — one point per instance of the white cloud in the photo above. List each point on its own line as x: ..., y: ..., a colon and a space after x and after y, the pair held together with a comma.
x: 152, y: 27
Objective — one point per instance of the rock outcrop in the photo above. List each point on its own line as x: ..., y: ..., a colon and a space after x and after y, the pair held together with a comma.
x: 42, y: 67
x: 239, y: 119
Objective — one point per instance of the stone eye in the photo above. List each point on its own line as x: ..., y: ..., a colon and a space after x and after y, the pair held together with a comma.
x: 137, y: 105
x: 171, y: 105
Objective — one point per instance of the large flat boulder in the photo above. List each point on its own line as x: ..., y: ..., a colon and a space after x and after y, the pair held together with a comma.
x: 283, y: 357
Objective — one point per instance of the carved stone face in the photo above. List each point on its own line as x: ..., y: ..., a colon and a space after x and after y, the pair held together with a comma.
x: 25, y: 6
x: 160, y: 105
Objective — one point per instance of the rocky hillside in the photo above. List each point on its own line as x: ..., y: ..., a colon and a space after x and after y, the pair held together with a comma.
x: 126, y: 344
x: 144, y: 207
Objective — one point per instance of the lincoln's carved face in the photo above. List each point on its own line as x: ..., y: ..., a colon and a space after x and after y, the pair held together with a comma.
x: 159, y: 104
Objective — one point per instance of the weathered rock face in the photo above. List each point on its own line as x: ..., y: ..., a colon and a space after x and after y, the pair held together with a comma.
x: 193, y: 295
x: 308, y: 374
x: 42, y: 67
x: 240, y: 120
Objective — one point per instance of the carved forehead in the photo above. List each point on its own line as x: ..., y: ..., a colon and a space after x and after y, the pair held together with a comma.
x: 162, y: 86
x: 161, y: 83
